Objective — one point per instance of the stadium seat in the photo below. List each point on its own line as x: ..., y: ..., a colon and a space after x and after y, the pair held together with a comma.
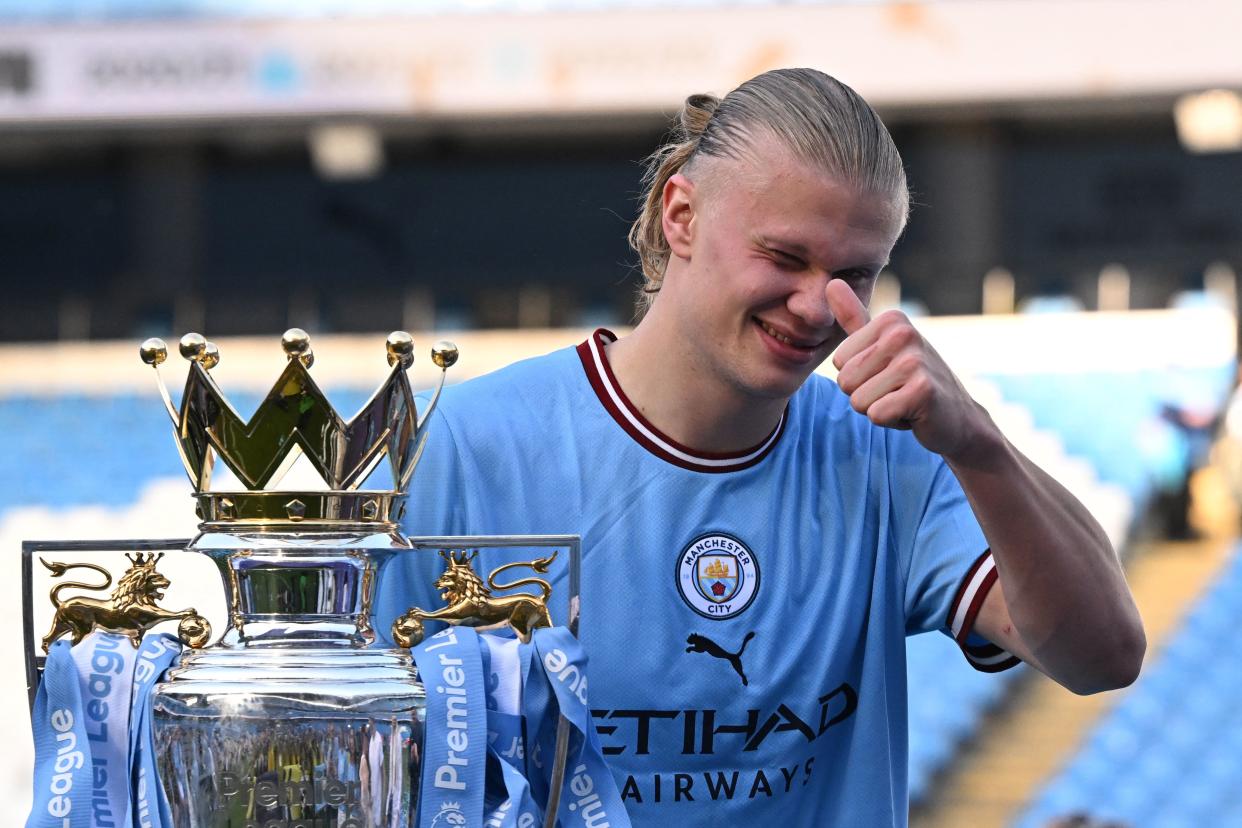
x: 1170, y: 753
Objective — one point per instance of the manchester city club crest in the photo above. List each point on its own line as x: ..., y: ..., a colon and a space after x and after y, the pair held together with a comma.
x: 717, y: 575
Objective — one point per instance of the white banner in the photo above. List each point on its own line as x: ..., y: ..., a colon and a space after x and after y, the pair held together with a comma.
x: 642, y: 60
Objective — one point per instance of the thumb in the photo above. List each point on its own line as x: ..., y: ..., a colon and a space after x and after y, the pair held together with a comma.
x: 845, y: 305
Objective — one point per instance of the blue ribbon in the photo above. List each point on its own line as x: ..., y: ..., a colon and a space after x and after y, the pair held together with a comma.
x: 539, y: 715
x: 517, y: 809
x: 105, y: 663
x: 521, y: 687
x: 455, y: 741
x: 512, y: 806
x: 589, y: 797
x: 491, y: 715
x: 94, y: 760
x: 149, y: 806
x: 62, y: 777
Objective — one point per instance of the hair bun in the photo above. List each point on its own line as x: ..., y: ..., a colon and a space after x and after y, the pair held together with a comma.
x: 698, y: 110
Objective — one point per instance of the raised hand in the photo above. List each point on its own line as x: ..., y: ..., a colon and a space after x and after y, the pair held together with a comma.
x: 897, y: 379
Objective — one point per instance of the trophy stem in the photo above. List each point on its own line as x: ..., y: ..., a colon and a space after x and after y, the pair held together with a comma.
x: 285, y: 594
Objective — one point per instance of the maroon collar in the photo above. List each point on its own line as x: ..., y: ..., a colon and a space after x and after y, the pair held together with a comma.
x: 599, y: 373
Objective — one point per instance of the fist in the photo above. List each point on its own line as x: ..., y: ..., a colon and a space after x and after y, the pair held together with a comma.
x: 894, y: 377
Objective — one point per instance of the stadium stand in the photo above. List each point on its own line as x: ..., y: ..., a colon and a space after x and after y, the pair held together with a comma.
x: 1117, y: 421
x: 946, y: 704
x: 1170, y: 753
x: 1104, y: 432
x: 97, y: 450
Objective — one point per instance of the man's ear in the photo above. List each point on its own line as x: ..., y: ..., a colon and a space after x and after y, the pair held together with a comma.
x: 677, y: 215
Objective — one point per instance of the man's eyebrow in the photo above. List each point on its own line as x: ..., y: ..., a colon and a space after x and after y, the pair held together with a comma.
x: 782, y: 246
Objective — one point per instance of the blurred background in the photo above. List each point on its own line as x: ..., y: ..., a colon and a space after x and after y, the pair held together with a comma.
x: 469, y: 168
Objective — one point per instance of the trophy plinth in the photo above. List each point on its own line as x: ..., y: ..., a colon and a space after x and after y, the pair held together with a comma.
x: 303, y: 723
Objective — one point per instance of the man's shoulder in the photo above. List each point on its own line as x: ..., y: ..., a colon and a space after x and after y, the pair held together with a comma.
x: 514, y: 386
x: 537, y: 370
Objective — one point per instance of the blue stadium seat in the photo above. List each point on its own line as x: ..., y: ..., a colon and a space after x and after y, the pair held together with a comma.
x: 1117, y: 421
x: 76, y: 450
x: 1170, y: 753
x: 947, y: 699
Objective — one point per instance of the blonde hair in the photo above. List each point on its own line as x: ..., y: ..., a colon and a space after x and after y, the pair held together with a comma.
x: 822, y: 121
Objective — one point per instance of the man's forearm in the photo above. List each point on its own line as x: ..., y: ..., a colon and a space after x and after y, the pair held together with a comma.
x: 1063, y: 587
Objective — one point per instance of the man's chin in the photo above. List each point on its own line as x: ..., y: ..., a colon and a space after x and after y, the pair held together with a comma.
x: 777, y: 385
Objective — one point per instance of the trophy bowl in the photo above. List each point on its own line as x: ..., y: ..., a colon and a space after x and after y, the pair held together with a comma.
x: 292, y: 719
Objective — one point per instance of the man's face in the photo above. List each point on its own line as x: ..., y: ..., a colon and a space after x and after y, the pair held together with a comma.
x: 747, y: 289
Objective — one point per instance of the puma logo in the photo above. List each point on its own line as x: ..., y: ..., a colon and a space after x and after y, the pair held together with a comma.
x: 703, y: 644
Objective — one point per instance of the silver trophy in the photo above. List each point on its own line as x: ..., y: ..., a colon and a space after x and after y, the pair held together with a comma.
x: 299, y: 716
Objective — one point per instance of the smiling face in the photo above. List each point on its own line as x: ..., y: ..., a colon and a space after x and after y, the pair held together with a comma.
x: 754, y: 243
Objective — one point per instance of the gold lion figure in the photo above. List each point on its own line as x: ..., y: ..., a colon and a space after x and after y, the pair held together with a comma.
x: 130, y: 610
x: 470, y: 601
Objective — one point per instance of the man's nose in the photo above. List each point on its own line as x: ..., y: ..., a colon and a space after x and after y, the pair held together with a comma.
x: 810, y: 304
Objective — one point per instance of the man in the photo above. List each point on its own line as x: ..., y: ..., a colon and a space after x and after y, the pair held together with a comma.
x: 757, y: 541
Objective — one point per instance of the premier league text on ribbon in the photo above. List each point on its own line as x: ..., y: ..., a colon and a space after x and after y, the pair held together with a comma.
x: 457, y: 715
x: 107, y: 667
x: 68, y: 759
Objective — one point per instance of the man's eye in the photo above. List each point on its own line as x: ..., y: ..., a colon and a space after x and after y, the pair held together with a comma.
x: 787, y: 261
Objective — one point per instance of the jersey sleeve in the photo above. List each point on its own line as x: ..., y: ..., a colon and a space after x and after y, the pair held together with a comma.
x: 949, y: 568
x: 435, y: 506
x: 982, y: 654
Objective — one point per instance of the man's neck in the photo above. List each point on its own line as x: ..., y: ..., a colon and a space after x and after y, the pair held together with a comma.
x: 689, y: 404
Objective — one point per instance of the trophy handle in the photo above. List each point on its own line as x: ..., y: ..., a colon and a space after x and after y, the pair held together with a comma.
x: 124, y: 623
x: 559, y: 761
x: 471, y: 602
x: 573, y: 543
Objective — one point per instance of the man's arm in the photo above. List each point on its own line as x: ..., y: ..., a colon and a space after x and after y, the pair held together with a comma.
x: 1061, y: 602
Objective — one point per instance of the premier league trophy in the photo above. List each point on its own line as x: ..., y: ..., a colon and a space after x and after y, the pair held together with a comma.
x: 300, y: 716
x: 290, y: 719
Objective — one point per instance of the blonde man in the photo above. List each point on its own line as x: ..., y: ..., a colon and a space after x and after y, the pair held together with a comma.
x: 759, y: 540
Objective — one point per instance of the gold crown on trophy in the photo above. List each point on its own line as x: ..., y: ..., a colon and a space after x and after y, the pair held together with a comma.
x: 296, y: 419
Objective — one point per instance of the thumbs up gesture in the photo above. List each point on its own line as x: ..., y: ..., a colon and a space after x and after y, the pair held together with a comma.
x: 895, y: 378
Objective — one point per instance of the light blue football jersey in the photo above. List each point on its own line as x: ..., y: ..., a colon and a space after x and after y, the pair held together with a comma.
x: 744, y: 614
